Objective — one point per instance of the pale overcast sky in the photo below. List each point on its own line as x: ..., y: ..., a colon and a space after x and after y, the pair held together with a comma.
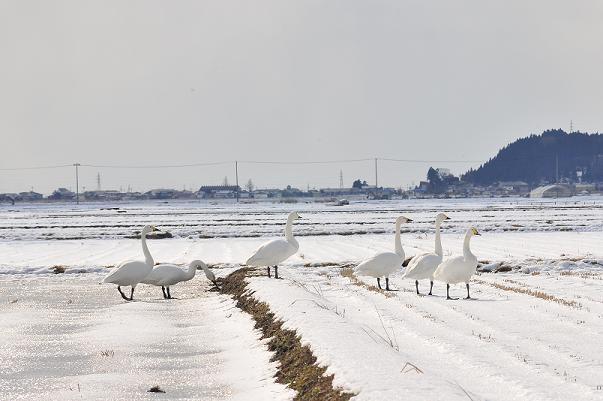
x: 163, y: 82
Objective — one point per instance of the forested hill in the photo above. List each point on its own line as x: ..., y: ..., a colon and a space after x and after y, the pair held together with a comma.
x: 532, y: 159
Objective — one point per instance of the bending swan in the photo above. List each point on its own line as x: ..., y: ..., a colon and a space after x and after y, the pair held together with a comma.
x: 458, y: 269
x: 167, y: 275
x: 423, y: 266
x: 385, y: 263
x: 276, y: 251
x: 131, y: 273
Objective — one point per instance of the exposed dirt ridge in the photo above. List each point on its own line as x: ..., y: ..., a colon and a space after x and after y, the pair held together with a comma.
x: 298, y: 368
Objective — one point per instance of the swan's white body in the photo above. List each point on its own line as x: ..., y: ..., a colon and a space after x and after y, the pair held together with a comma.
x: 385, y: 263
x: 459, y: 269
x: 274, y: 252
x: 167, y: 275
x: 381, y: 265
x: 132, y: 272
x: 423, y: 266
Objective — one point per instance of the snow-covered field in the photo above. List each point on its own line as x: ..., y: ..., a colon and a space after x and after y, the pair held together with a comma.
x: 531, y: 334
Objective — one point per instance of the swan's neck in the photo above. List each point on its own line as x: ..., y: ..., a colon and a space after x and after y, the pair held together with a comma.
x: 398, y: 242
x: 289, y: 231
x: 145, y: 249
x: 466, y: 249
x: 438, y: 240
x: 192, y: 269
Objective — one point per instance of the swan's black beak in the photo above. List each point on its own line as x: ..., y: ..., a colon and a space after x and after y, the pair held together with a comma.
x: 447, y: 218
x: 409, y: 220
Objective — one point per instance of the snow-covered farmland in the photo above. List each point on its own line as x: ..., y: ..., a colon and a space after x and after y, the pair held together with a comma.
x: 532, y: 333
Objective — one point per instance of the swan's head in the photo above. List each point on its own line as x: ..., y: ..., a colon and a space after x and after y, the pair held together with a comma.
x: 403, y: 219
x: 441, y: 217
x: 148, y: 229
x: 294, y: 216
x: 474, y: 231
x: 198, y: 264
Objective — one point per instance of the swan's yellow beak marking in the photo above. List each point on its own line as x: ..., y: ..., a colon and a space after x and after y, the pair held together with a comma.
x: 474, y: 231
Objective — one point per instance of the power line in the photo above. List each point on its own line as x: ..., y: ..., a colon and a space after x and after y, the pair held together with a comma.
x: 227, y: 162
x: 35, y: 167
x: 157, y: 165
x: 304, y: 162
x: 429, y: 161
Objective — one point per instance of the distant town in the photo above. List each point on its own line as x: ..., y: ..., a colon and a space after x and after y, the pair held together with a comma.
x: 440, y: 183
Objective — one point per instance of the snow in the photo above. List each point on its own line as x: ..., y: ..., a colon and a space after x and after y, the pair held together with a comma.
x: 532, y: 333
x: 69, y: 338
x: 503, y: 345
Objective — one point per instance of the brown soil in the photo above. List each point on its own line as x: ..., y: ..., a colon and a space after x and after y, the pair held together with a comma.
x: 298, y: 368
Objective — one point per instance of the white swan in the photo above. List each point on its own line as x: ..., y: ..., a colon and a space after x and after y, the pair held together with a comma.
x: 276, y: 251
x: 167, y: 275
x: 458, y: 269
x: 385, y: 263
x: 422, y: 266
x: 130, y: 273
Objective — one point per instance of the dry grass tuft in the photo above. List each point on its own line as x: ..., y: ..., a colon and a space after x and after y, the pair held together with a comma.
x: 155, y: 389
x: 58, y: 269
x: 531, y: 292
x: 107, y: 353
x: 298, y: 368
x: 349, y: 273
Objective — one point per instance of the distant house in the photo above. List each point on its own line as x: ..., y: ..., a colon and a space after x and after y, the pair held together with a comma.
x: 167, y: 193
x: 218, y: 191
x: 104, y: 195
x: 30, y: 196
x: 514, y: 187
x: 552, y: 191
x: 62, y: 194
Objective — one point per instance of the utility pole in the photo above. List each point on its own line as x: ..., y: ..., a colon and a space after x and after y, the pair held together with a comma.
x: 376, y: 176
x: 340, y: 179
x: 556, y: 168
x: 77, y: 183
x: 237, y: 178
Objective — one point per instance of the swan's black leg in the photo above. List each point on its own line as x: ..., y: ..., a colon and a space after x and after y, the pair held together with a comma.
x: 387, y: 284
x: 468, y: 296
x: 163, y: 290
x: 430, y: 287
x: 275, y: 271
x: 448, y: 292
x: 379, y: 283
x: 216, y: 284
x: 132, y: 294
x: 268, y: 271
x: 122, y: 294
x: 168, y: 292
x: 417, y: 287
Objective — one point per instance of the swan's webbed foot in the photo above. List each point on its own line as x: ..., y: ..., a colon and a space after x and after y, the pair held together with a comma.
x: 268, y: 268
x: 430, y: 287
x: 216, y: 284
x: 417, y: 287
x: 379, y: 283
x: 122, y: 294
